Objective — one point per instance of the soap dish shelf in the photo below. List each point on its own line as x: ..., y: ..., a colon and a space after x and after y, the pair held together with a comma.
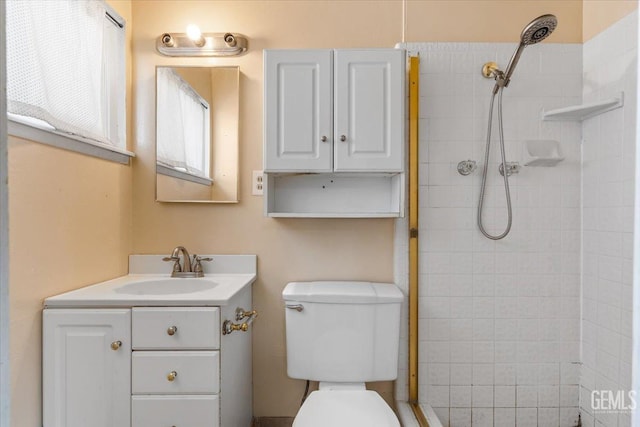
x: 582, y: 112
x: 544, y: 153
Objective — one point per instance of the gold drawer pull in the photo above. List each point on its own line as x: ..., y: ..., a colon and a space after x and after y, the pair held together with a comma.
x: 116, y: 345
x: 172, y: 330
x: 172, y: 376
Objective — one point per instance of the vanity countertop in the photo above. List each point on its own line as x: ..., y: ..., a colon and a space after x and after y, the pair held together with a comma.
x: 150, y: 284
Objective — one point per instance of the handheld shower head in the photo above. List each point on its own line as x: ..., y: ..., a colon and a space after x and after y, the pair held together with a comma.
x: 535, y: 31
x: 538, y: 29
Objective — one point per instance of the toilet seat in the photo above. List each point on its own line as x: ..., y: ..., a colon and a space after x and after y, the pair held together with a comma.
x: 345, y: 408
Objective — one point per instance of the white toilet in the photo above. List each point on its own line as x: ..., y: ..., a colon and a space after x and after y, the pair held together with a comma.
x: 343, y: 334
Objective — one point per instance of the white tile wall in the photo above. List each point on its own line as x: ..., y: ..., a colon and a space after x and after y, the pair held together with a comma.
x: 610, y: 66
x: 500, y: 321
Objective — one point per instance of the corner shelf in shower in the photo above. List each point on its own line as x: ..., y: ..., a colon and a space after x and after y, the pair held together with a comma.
x: 578, y: 113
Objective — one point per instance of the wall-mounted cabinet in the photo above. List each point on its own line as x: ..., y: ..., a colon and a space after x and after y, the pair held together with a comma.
x: 338, y: 118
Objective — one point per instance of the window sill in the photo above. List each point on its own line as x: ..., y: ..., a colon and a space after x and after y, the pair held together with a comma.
x: 68, y: 142
x: 174, y: 173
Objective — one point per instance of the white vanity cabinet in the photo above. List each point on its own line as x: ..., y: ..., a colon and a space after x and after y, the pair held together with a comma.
x: 147, y: 366
x: 86, y: 364
x: 334, y: 132
x: 175, y: 364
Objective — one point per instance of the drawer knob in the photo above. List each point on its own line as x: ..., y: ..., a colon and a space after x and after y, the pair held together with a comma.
x: 116, y: 345
x: 172, y: 376
x: 172, y: 330
x: 343, y: 138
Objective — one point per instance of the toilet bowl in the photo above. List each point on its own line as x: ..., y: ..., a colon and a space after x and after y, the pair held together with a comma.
x: 343, y: 334
x: 356, y: 407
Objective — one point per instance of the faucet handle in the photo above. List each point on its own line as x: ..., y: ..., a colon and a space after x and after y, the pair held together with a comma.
x: 176, y: 264
x: 197, y: 267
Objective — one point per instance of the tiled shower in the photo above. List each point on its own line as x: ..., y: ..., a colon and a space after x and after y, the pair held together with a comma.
x: 520, y: 331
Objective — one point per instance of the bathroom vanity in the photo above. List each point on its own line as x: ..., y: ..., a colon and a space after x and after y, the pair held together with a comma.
x: 149, y: 350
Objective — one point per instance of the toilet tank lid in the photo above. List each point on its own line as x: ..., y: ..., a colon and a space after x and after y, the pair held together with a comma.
x: 343, y: 292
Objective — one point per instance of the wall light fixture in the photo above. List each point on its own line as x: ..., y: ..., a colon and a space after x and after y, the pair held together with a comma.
x: 195, y: 43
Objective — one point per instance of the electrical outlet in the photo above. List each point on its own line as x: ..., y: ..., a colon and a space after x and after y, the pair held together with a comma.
x: 257, y: 184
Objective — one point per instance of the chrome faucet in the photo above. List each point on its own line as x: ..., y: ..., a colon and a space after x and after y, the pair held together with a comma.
x: 190, y: 267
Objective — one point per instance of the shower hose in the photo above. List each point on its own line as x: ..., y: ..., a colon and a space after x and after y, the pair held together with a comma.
x: 486, y: 167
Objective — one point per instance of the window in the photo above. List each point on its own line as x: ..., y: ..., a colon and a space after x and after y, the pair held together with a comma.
x: 183, y: 132
x: 66, y: 69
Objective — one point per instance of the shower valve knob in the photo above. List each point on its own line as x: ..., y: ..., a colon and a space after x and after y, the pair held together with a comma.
x: 512, y: 167
x: 466, y: 167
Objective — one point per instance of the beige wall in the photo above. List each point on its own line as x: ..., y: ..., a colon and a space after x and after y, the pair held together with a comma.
x: 598, y: 15
x: 489, y: 21
x: 70, y: 226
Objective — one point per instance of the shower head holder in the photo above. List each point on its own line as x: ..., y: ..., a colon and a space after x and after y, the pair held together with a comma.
x: 490, y: 70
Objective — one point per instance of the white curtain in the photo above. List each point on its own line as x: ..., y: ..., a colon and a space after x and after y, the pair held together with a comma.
x: 183, y: 125
x: 63, y: 60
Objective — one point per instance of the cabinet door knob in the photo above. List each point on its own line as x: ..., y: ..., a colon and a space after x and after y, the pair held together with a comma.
x: 343, y: 138
x: 172, y: 330
x: 324, y: 138
x: 116, y: 345
x: 172, y: 375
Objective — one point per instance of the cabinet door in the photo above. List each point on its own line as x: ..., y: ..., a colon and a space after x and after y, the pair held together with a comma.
x: 369, y: 110
x: 86, y: 380
x: 297, y: 111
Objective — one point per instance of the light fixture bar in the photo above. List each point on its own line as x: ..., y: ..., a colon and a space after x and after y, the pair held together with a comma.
x: 215, y: 44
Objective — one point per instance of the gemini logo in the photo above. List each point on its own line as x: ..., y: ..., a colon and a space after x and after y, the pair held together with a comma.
x: 609, y: 401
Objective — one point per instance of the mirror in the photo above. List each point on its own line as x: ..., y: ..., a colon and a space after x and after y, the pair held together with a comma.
x: 197, y: 112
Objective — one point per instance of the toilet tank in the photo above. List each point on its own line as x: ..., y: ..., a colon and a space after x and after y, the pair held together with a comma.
x: 342, y: 331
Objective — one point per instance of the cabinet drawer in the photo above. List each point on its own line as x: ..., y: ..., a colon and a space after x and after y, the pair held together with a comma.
x: 197, y: 372
x: 178, y: 411
x: 175, y: 328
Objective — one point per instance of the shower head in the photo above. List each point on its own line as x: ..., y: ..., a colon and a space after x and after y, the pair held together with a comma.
x: 535, y: 31
x: 538, y: 29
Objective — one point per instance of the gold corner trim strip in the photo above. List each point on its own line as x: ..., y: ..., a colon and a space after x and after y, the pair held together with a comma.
x: 420, y: 417
x: 414, y: 98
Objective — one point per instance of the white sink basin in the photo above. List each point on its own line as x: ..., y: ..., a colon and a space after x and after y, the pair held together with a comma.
x: 172, y: 286
x: 149, y: 284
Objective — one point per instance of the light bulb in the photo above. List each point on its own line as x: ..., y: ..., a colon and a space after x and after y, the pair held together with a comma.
x: 193, y: 32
